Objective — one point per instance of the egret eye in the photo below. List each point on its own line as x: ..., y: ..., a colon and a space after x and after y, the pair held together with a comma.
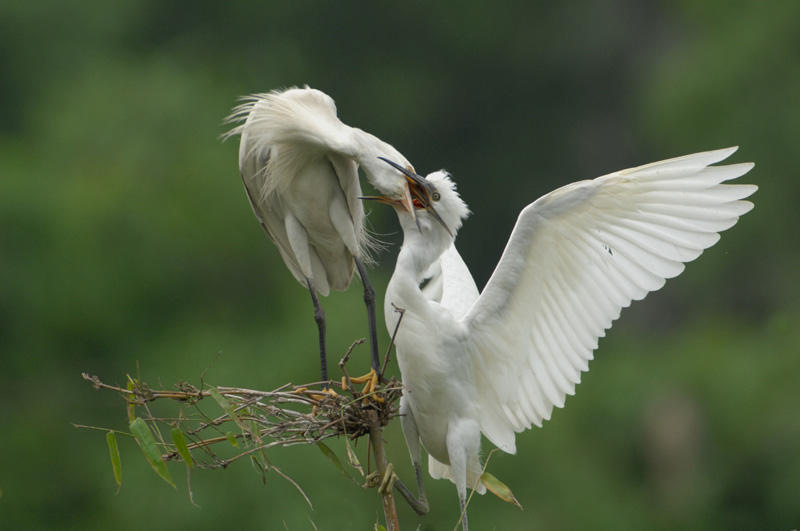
x: 435, y: 196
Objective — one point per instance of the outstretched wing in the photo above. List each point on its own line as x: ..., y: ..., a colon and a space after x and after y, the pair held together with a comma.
x: 576, y: 257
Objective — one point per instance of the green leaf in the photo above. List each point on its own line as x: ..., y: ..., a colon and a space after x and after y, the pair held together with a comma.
x: 232, y: 439
x: 179, y: 439
x: 351, y: 456
x: 226, y: 406
x: 255, y: 431
x: 149, y: 447
x: 327, y: 452
x: 223, y: 402
x: 131, y: 406
x: 499, y: 489
x: 116, y: 462
x: 255, y: 440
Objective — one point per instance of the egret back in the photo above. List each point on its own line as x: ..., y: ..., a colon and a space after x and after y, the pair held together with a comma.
x: 302, y: 189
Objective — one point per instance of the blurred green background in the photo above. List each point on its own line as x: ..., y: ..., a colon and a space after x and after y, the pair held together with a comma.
x: 126, y: 243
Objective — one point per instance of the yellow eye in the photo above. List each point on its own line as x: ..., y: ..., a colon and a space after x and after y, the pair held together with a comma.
x: 435, y: 196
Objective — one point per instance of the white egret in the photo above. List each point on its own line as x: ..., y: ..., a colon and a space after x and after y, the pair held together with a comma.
x: 498, y: 363
x: 299, y: 165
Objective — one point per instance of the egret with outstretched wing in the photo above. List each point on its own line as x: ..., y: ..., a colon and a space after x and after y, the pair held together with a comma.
x: 577, y: 256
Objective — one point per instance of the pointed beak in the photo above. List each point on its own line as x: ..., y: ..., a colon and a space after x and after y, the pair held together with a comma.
x: 406, y: 203
x: 419, y: 189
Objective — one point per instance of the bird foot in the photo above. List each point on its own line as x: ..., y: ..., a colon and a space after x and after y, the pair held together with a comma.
x: 371, y: 379
x: 317, y: 395
x: 385, y: 482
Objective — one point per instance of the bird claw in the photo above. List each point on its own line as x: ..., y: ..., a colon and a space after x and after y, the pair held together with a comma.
x: 385, y: 482
x: 371, y: 379
x: 325, y: 393
x: 317, y: 396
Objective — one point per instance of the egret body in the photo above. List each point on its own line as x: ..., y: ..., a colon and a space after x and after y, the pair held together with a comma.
x: 498, y: 363
x: 299, y: 165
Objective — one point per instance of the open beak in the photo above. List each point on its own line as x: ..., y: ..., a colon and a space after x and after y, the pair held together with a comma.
x: 406, y: 203
x: 418, y: 189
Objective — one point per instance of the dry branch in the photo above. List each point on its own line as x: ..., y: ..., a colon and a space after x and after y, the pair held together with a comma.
x: 287, y: 416
x: 252, y: 422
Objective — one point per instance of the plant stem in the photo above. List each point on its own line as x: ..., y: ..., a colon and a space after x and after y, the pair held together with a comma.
x: 387, y: 497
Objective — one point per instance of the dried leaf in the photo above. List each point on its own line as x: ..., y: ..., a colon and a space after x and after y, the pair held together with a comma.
x: 499, y: 489
x: 351, y: 456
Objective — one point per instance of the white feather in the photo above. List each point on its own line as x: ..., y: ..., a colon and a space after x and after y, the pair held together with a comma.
x: 576, y: 257
x: 299, y: 162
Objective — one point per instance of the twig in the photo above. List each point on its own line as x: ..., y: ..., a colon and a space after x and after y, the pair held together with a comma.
x: 347, y: 381
x: 282, y: 417
x: 386, y: 358
x: 253, y: 421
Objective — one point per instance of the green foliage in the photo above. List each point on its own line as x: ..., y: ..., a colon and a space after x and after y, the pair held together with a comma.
x: 331, y: 456
x: 141, y: 431
x: 116, y: 462
x: 126, y: 238
x: 179, y: 440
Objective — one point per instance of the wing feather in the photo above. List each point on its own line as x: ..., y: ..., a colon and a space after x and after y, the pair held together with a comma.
x: 288, y: 139
x: 572, y: 345
x: 576, y: 257
x: 567, y: 375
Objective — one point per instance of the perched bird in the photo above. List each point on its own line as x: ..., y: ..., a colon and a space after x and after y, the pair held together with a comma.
x: 299, y: 165
x: 498, y: 362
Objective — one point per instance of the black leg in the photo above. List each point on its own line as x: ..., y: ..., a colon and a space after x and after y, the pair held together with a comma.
x: 411, y: 435
x: 369, y: 300
x: 319, y: 317
x: 419, y: 504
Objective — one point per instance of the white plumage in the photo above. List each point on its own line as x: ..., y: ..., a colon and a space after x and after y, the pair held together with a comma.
x: 499, y: 363
x: 299, y: 165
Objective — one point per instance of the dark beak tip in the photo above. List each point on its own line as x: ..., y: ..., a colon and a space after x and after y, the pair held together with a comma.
x: 422, y: 182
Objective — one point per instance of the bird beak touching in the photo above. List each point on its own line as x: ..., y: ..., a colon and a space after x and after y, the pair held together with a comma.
x: 418, y: 195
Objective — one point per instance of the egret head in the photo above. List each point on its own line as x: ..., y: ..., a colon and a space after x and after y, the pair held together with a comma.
x: 446, y: 209
x: 436, y: 208
x: 418, y: 194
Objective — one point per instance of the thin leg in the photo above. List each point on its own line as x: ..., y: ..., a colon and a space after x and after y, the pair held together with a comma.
x: 319, y: 317
x: 369, y: 300
x: 419, y: 504
x: 463, y: 443
x: 457, y: 465
x: 411, y: 435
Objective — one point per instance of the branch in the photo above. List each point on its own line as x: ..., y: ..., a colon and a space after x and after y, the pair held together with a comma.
x: 253, y: 422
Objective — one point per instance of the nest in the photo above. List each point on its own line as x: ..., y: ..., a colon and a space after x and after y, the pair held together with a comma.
x: 254, y: 421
